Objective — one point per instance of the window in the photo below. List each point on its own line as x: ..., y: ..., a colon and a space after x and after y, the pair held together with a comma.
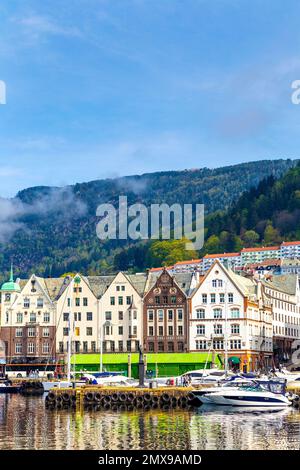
x: 180, y: 314
x: 220, y: 283
x: 77, y: 302
x: 112, y: 346
x: 204, y: 298
x: 46, y: 348
x: 77, y: 316
x: 222, y: 298
x: 112, y: 301
x: 230, y: 298
x: 160, y: 315
x: 160, y: 346
x: 235, y: 344
x: 128, y: 300
x: 201, y: 344
x: 120, y: 300
x: 85, y: 346
x: 134, y: 314
x: 173, y: 299
x: 165, y: 299
x: 19, y: 332
x: 151, y: 330
x: 32, y: 317
x: 46, y: 317
x: 120, y: 346
x: 46, y: 332
x: 66, y: 331
x: 180, y: 330
x: 108, y: 316
x: 89, y: 331
x: 180, y: 346
x: 26, y: 303
x: 40, y: 303
x: 69, y: 302
x: 107, y: 330
x: 18, y: 348
x: 120, y: 315
x: 200, y: 314
x: 123, y: 288
x: 213, y: 298
x: 200, y: 329
x: 218, y: 330
x: 31, y: 332
x: 7, y: 297
x: 235, y: 313
x: 170, y: 330
x: 160, y: 330
x: 170, y: 346
x: 89, y: 316
x: 85, y: 301
x: 120, y: 330
x: 93, y: 346
x: 151, y: 346
x: 150, y: 315
x: 61, y: 347
x: 118, y: 288
x: 6, y: 317
x: 19, y: 317
x: 217, y: 313
x: 170, y: 315
x: 135, y: 330
x: 66, y: 317
x: 218, y: 344
x: 129, y: 346
x: 235, y: 329
x: 157, y: 299
x: 30, y: 348
x: 214, y: 282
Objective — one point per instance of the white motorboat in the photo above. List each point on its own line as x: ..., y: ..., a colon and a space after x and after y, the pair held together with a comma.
x: 204, y: 393
x: 269, y: 394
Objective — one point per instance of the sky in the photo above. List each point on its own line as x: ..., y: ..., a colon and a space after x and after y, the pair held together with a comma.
x: 104, y: 88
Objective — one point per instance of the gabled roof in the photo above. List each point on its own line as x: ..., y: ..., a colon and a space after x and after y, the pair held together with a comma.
x: 138, y: 282
x: 99, y: 284
x: 183, y: 280
x: 244, y: 285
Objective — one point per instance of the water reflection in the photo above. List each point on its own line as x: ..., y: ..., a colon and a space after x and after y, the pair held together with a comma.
x: 26, y: 424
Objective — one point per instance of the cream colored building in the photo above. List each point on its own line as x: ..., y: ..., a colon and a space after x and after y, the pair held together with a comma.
x: 226, y: 306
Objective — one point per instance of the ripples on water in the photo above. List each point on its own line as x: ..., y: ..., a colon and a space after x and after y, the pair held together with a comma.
x: 26, y: 424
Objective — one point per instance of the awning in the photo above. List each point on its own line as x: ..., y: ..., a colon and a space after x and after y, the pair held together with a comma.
x: 234, y: 360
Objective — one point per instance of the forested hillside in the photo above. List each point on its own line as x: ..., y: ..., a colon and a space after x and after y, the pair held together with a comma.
x: 50, y: 231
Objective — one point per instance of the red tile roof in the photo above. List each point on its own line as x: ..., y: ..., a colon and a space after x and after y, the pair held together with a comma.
x: 222, y: 255
x: 290, y: 243
x: 262, y: 248
x: 190, y: 261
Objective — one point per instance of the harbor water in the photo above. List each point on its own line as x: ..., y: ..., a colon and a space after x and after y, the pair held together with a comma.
x: 25, y: 423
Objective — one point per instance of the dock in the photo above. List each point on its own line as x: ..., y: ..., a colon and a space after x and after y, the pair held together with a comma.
x: 99, y: 397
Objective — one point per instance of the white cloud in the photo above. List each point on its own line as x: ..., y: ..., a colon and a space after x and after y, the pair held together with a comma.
x: 37, y: 25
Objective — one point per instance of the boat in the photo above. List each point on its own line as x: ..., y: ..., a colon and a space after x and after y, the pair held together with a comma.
x: 7, y: 387
x: 266, y: 394
x: 202, y: 394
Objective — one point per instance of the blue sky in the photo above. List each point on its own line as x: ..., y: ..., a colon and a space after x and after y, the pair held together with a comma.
x: 102, y: 88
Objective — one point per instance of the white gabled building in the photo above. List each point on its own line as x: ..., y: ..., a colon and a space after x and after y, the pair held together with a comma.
x: 228, y: 305
x: 121, y: 313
